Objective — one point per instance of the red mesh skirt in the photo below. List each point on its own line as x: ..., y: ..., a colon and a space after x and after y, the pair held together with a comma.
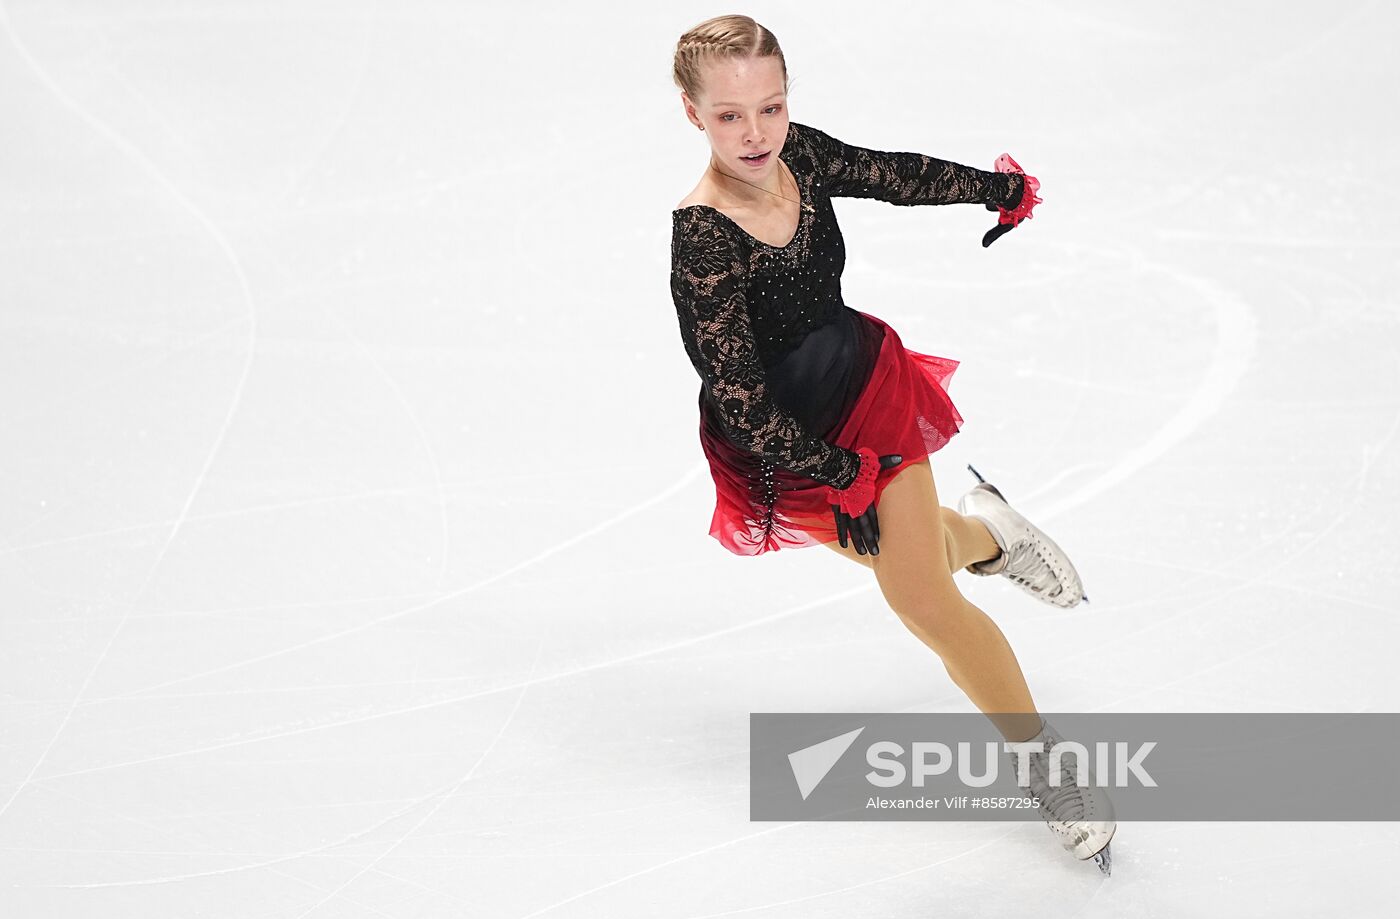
x: 897, y: 403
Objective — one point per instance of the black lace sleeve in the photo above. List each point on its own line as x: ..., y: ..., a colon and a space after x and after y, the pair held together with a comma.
x: 708, y: 281
x: 905, y: 178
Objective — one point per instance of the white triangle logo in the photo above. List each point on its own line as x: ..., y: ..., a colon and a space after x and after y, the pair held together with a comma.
x: 811, y: 764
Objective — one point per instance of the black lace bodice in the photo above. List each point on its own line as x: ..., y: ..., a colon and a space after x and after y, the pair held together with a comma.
x: 744, y: 305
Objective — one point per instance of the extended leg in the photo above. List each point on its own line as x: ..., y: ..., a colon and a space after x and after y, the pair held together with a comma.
x: 916, y: 577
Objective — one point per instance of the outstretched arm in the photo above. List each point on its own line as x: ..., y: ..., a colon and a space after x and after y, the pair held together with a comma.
x: 905, y: 178
x: 708, y: 285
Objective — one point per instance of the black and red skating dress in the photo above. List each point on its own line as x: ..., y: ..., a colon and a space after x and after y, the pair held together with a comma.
x: 792, y: 379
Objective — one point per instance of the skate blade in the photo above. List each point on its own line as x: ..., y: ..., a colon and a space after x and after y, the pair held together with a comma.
x: 990, y: 487
x: 1104, y: 859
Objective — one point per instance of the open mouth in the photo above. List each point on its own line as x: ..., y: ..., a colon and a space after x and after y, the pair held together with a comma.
x: 756, y: 160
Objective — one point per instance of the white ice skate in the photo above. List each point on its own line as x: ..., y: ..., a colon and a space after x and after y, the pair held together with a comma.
x: 1029, y: 559
x: 1081, y: 816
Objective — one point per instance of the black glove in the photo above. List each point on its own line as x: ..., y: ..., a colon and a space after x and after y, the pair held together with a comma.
x: 1001, y: 229
x: 864, y: 530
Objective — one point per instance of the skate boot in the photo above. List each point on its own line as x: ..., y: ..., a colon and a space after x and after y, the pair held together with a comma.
x: 1081, y: 816
x: 1029, y: 559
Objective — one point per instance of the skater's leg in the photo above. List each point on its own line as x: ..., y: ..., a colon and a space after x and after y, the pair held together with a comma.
x: 914, y: 574
x: 849, y: 550
x: 974, y: 651
x: 966, y: 540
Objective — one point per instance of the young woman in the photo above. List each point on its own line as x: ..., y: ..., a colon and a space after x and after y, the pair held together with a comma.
x: 813, y: 415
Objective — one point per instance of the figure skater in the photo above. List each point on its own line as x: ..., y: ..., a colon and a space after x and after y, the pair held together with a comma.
x: 813, y: 415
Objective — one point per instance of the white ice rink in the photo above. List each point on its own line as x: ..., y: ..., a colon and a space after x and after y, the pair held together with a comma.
x: 353, y: 547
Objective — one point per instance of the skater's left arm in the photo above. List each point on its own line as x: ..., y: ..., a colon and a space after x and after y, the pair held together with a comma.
x: 849, y: 171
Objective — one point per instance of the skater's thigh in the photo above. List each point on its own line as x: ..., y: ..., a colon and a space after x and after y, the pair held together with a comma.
x: 912, y: 566
x: 849, y: 550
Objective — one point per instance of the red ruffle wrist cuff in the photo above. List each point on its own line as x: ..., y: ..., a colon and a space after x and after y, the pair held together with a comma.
x: 855, y: 498
x: 1029, y: 200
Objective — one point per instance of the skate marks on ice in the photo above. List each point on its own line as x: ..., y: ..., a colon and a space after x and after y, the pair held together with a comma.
x: 221, y: 243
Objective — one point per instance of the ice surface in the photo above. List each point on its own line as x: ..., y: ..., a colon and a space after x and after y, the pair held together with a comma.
x: 353, y: 550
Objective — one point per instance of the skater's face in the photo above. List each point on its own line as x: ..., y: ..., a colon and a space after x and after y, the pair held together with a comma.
x: 743, y: 109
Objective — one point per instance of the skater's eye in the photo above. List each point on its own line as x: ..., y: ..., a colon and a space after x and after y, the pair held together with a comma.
x: 775, y: 108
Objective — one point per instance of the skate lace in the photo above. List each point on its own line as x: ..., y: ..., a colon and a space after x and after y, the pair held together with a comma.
x: 1028, y: 563
x: 1064, y: 802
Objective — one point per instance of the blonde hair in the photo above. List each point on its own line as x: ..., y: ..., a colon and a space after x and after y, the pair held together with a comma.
x: 732, y: 36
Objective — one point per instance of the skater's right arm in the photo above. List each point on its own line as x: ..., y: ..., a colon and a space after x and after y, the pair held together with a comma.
x: 708, y: 286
